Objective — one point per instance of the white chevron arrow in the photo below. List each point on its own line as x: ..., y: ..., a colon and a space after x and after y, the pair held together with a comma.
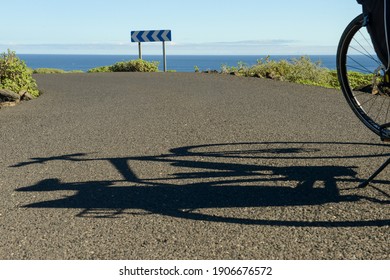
x: 154, y: 36
x: 134, y: 36
x: 144, y: 37
x: 165, y: 35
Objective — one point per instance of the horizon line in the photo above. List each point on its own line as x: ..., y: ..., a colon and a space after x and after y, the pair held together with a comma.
x: 145, y: 55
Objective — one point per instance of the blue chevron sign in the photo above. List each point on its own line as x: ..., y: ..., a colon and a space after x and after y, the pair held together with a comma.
x: 151, y: 36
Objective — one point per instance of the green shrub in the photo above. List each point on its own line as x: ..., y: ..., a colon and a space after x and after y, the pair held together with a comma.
x: 334, y: 79
x: 138, y: 65
x: 48, y: 71
x: 15, y: 75
x: 101, y: 69
x: 357, y: 79
x: 266, y: 68
x: 74, y: 72
x: 301, y: 71
x: 304, y: 71
x: 54, y: 71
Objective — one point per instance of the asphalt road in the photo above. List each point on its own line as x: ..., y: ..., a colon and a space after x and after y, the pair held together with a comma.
x: 188, y: 166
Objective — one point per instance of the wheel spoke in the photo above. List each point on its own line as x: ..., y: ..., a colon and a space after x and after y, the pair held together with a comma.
x: 360, y: 64
x: 366, y: 52
x: 361, y: 75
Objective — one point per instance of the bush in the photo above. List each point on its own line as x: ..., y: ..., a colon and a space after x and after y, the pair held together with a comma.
x: 48, y: 71
x: 15, y: 75
x: 358, y: 80
x: 137, y: 65
x: 54, y: 71
x: 101, y: 69
x: 301, y: 71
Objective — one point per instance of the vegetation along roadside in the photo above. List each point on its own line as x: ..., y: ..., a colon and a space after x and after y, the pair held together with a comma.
x: 17, y: 83
x: 300, y: 71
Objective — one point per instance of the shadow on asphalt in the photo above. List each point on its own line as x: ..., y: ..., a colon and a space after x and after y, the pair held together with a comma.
x: 220, y: 176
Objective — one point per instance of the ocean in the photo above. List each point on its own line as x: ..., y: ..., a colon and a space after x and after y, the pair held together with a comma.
x: 179, y: 63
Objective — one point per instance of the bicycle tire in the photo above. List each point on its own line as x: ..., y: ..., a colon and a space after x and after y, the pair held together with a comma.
x: 356, y: 58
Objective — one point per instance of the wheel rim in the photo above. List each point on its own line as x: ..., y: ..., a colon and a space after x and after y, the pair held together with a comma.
x: 362, y: 78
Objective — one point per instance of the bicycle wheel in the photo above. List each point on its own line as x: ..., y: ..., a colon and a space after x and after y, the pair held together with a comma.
x: 362, y: 78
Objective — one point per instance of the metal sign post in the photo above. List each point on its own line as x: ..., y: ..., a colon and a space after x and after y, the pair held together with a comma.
x: 165, y: 57
x: 152, y: 36
x: 139, y: 50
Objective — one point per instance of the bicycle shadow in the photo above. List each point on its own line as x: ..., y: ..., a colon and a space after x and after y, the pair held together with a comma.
x: 212, y: 179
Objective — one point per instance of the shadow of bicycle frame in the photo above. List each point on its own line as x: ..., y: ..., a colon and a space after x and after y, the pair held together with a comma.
x: 215, y: 176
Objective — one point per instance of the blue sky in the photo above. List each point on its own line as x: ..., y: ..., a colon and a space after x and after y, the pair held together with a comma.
x: 198, y: 26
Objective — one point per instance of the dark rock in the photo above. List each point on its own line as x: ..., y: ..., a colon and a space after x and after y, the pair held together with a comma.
x: 211, y: 72
x: 8, y: 95
x: 24, y: 95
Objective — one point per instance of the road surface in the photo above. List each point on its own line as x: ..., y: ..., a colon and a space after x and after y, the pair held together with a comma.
x: 188, y: 166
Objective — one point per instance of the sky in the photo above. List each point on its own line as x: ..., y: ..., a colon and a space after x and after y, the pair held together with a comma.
x: 199, y: 27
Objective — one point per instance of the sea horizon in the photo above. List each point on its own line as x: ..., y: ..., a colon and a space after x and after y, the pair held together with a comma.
x: 179, y: 63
